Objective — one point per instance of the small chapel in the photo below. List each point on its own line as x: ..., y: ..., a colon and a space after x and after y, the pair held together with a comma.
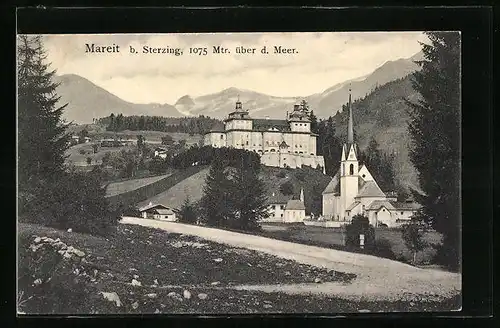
x: 353, y: 190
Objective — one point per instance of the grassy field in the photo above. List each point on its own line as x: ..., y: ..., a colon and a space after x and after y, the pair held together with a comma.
x: 175, y: 196
x: 75, y: 157
x: 116, y: 188
x: 332, y: 237
x: 141, y: 270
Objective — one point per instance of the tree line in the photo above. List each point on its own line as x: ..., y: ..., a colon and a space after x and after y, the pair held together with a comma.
x: 192, y: 125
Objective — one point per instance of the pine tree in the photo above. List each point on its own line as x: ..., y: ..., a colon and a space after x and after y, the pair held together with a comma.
x: 248, y: 200
x: 42, y: 140
x: 435, y: 129
x: 214, y: 203
x: 187, y: 213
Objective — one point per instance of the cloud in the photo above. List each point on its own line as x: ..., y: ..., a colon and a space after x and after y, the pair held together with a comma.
x: 322, y: 60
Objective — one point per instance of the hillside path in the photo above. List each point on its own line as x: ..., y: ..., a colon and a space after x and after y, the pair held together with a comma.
x: 377, y: 278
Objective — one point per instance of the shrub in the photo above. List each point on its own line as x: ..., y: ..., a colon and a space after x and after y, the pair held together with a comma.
x: 72, y: 200
x: 383, y: 248
x: 359, y: 225
x: 412, y: 234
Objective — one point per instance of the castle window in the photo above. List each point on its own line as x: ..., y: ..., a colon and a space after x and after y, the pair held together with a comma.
x: 351, y: 169
x: 364, y: 175
x: 247, y: 142
x: 401, y: 213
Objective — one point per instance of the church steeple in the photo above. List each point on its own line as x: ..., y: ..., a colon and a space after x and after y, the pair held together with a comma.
x: 350, y: 129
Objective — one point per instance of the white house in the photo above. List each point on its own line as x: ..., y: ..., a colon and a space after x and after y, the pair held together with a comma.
x: 158, y: 212
x: 160, y: 152
x: 353, y: 190
x: 276, y: 207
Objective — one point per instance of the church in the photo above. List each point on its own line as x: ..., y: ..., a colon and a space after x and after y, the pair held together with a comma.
x: 353, y: 190
x: 280, y: 143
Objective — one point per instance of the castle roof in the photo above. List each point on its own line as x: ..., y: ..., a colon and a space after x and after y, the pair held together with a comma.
x: 217, y: 127
x: 265, y: 124
x: 295, y: 204
x: 334, y: 185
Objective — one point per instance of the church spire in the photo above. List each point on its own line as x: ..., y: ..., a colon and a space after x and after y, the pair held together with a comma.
x: 350, y: 129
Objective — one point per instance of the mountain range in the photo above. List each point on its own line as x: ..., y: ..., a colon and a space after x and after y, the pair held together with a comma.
x: 87, y: 101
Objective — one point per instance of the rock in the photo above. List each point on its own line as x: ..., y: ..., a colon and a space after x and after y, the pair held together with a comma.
x: 136, y: 283
x: 61, y: 252
x: 156, y: 282
x: 249, y: 264
x: 67, y: 255
x: 215, y: 283
x: 187, y: 294
x: 162, y: 256
x: 157, y: 311
x: 218, y: 260
x: 38, y: 239
x: 202, y: 296
x: 70, y: 230
x: 317, y: 280
x: 135, y: 305
x: 136, y: 276
x: 162, y: 306
x: 132, y: 269
x: 112, y: 297
x: 57, y: 240
x: 287, y: 273
x: 37, y: 282
x: 267, y: 306
x: 364, y: 311
x: 132, y: 242
x: 151, y: 295
x: 158, y: 266
x: 79, y: 253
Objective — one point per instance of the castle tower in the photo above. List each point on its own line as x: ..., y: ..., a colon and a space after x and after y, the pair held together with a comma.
x: 349, y: 167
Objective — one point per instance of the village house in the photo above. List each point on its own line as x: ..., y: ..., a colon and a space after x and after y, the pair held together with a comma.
x: 353, y: 190
x: 284, y: 209
x: 158, y: 212
x: 160, y: 152
x: 280, y: 143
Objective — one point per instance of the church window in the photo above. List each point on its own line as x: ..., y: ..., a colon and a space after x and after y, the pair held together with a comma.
x: 364, y: 175
x: 351, y: 169
x: 247, y: 142
x: 401, y: 213
x: 222, y: 136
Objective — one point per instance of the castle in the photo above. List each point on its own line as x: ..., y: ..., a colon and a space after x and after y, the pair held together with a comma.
x: 353, y: 190
x: 280, y: 143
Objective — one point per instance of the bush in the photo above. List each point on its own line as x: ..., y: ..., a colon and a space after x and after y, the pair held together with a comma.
x: 359, y: 225
x: 383, y: 248
x: 72, y: 200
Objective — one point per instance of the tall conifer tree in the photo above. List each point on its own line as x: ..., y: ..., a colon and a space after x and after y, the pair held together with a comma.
x: 435, y: 130
x: 41, y: 131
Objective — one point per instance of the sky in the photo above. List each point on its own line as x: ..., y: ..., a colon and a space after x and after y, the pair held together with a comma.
x: 322, y: 60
